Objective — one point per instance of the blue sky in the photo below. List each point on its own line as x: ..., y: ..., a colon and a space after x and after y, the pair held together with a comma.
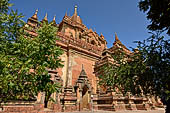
x: 104, y: 16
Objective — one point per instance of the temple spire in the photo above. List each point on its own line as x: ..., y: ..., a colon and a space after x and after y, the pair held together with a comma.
x: 66, y: 13
x: 33, y: 21
x: 117, y: 41
x: 36, y: 11
x: 101, y: 35
x: 35, y: 14
x: 54, y: 22
x: 75, y: 17
x: 116, y: 37
x: 75, y: 10
x: 45, y: 18
x: 54, y: 18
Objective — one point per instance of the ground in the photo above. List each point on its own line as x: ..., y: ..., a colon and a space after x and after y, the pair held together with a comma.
x: 138, y: 111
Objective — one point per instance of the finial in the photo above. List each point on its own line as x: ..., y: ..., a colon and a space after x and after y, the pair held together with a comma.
x: 54, y: 17
x: 36, y: 12
x: 101, y: 35
x: 66, y: 13
x: 116, y: 38
x: 75, y: 9
x: 45, y: 18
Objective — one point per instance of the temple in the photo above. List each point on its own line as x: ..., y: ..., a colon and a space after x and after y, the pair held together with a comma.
x: 84, y: 52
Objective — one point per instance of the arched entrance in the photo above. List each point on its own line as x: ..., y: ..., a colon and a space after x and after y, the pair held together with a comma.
x: 85, y: 97
x: 83, y: 90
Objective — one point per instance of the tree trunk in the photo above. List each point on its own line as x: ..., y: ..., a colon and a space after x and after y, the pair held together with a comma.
x: 47, y: 97
x: 45, y: 103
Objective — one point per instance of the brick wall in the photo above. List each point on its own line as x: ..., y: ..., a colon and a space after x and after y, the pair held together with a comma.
x: 12, y: 108
x: 88, y: 65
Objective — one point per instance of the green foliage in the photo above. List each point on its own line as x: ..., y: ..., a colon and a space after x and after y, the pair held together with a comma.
x: 158, y: 12
x: 145, y: 71
x: 122, y: 73
x: 24, y: 61
x: 156, y: 53
x: 4, y: 6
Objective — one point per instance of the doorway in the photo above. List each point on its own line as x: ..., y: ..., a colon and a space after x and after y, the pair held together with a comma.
x: 85, y: 97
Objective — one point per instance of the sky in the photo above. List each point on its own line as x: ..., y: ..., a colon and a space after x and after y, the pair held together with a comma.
x: 108, y: 17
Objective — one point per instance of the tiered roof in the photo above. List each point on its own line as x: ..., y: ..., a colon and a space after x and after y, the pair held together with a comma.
x: 92, y: 39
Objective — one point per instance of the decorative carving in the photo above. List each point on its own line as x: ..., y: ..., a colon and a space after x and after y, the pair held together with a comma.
x: 74, y: 35
x: 83, y: 80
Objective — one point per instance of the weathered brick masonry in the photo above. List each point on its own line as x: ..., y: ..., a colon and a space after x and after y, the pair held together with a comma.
x: 84, y: 51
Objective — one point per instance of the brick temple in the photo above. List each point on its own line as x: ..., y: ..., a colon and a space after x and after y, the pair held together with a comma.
x: 84, y: 51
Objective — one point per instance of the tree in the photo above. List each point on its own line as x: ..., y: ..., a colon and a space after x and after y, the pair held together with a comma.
x: 158, y: 12
x: 148, y: 70
x: 145, y: 71
x: 25, y: 60
x: 156, y: 53
x: 123, y: 72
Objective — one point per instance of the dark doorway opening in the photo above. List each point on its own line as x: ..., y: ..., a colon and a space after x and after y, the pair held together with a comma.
x: 85, y: 98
